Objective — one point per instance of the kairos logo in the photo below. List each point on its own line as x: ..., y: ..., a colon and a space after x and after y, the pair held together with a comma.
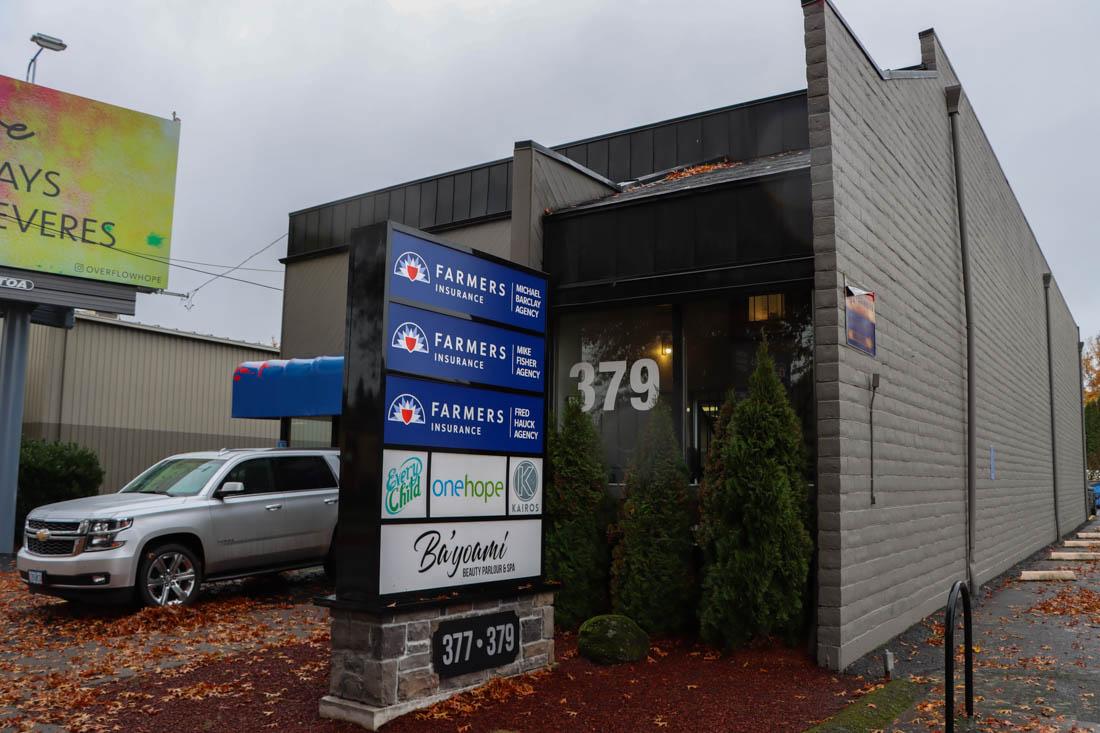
x: 412, y: 266
x: 410, y: 337
x: 406, y: 409
x: 525, y: 480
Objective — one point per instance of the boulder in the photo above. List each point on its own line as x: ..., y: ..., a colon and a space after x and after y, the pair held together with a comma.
x: 612, y: 639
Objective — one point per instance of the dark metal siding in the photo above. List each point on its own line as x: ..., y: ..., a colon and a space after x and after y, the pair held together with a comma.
x: 739, y: 133
x: 725, y: 236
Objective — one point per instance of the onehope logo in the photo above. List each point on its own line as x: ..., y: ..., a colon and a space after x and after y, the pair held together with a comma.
x: 525, y: 480
x: 410, y: 337
x: 403, y: 485
x: 406, y: 409
x: 412, y: 266
x: 464, y: 487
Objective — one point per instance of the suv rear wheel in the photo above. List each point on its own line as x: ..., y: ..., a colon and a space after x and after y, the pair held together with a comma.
x: 169, y: 575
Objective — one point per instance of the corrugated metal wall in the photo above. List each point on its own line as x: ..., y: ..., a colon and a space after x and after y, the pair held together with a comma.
x: 135, y: 395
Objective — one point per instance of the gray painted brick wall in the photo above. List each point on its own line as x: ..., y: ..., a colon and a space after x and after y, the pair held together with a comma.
x: 885, y: 219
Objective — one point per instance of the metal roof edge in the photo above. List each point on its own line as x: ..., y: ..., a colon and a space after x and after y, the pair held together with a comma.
x: 91, y: 317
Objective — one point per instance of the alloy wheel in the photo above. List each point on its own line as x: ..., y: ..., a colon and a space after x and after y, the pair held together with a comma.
x: 170, y: 579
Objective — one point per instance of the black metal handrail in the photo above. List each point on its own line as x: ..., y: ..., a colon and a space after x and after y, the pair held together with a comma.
x: 957, y: 590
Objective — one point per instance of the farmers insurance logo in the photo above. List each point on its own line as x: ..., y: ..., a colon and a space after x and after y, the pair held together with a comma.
x: 406, y: 409
x: 412, y: 266
x: 411, y: 338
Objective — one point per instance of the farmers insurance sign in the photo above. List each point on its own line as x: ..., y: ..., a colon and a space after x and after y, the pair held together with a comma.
x: 460, y: 403
x: 86, y: 188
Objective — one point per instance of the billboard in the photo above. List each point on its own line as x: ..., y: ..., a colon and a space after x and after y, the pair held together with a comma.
x: 86, y: 188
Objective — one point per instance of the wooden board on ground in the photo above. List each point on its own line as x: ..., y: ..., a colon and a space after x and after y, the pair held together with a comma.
x: 1089, y: 535
x: 1082, y: 543
x: 1048, y: 575
x: 1075, y: 556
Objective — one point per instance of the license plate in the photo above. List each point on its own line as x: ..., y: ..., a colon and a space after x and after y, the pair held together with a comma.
x: 36, y: 577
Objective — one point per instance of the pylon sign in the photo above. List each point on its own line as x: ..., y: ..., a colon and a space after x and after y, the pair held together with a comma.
x: 444, y: 419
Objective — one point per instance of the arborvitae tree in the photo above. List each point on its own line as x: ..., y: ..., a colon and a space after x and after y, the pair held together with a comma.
x: 652, y: 574
x: 756, y: 548
x: 576, y: 547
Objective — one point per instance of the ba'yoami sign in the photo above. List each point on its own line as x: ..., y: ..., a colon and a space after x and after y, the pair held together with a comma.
x: 86, y: 188
x: 458, y: 398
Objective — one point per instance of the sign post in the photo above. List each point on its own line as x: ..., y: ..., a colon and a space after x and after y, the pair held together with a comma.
x: 440, y: 537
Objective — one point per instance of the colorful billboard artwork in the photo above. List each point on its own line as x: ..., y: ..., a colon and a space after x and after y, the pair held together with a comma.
x: 444, y: 277
x: 86, y: 188
x: 435, y: 345
x: 859, y: 311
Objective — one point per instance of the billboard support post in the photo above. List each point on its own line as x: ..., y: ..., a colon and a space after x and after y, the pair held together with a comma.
x: 13, y: 373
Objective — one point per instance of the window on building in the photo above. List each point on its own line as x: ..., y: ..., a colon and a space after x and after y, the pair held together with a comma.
x: 690, y: 355
x: 767, y: 307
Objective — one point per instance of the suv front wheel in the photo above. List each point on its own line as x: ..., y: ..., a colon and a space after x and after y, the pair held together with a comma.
x: 169, y: 575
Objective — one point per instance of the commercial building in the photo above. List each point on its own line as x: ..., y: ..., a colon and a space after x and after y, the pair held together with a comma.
x: 865, y: 226
x: 135, y: 393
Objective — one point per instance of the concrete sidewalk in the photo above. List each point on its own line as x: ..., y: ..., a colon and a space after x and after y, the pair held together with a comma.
x: 1037, y: 654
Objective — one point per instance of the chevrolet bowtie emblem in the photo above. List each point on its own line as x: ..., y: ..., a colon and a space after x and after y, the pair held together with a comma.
x: 42, y: 535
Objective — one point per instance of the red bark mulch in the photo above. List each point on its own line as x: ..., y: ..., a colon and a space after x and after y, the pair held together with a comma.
x: 680, y: 687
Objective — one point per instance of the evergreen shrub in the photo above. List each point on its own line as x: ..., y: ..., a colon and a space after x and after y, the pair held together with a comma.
x: 50, y: 472
x: 756, y: 548
x: 652, y: 573
x: 576, y: 547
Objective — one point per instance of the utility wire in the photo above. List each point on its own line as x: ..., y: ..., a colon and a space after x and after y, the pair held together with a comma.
x: 172, y: 260
x: 258, y: 252
x: 161, y: 260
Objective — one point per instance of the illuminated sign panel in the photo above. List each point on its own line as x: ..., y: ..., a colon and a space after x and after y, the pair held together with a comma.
x: 86, y: 188
x: 446, y: 364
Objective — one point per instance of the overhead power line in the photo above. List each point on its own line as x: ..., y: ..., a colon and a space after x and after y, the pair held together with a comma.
x: 258, y: 252
x: 169, y: 262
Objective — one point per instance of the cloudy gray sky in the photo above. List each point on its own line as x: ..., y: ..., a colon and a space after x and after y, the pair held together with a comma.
x: 288, y: 104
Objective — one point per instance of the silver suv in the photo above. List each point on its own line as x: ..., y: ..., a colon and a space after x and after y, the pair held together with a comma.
x: 189, y: 519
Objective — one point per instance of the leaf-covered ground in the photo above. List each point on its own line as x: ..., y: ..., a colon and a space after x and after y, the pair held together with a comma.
x: 1036, y: 657
x: 254, y: 656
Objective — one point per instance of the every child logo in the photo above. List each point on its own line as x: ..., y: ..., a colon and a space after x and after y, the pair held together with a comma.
x: 404, y: 485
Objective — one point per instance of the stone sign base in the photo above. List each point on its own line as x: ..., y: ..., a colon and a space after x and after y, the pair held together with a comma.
x: 382, y: 663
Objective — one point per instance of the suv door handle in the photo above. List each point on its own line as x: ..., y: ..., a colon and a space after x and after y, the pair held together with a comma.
x: 332, y: 500
x: 273, y: 507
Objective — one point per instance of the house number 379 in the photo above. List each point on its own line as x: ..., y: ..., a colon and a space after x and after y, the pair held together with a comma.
x: 645, y: 382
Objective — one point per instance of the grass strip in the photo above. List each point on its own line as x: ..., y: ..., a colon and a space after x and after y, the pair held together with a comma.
x: 873, y: 711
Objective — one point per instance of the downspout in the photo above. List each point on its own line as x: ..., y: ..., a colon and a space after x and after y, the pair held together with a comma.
x: 1084, y: 441
x: 1050, y: 381
x: 954, y: 94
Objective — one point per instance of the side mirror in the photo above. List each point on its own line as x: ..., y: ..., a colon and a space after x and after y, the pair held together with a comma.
x: 229, y: 488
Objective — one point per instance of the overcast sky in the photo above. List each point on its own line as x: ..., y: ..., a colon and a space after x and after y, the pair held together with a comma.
x: 289, y: 104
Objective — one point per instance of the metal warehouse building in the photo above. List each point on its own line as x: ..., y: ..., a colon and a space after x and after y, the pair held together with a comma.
x: 673, y: 248
x: 135, y: 394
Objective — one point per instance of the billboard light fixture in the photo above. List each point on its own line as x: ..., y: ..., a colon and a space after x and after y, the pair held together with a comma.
x: 44, y: 43
x: 49, y: 42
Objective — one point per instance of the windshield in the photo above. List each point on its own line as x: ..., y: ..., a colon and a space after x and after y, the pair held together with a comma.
x: 178, y: 477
